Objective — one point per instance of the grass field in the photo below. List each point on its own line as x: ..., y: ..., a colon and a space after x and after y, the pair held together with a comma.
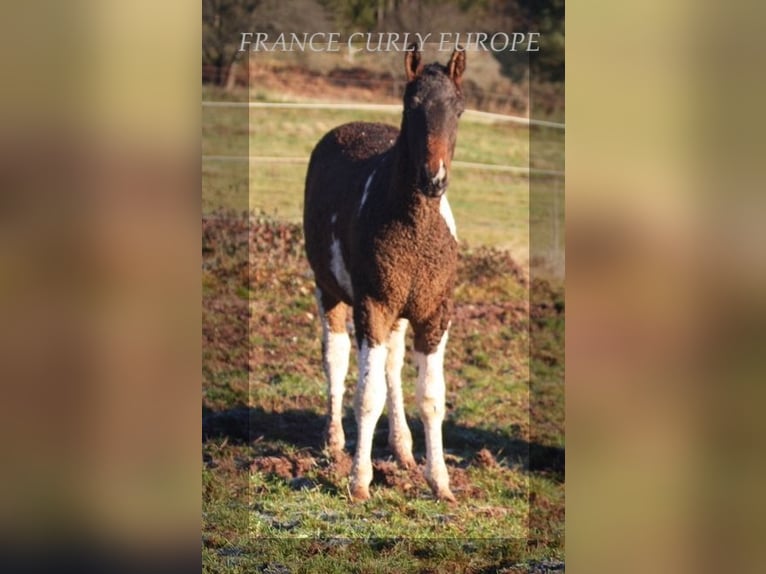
x: 272, y: 496
x: 490, y: 207
x: 273, y: 501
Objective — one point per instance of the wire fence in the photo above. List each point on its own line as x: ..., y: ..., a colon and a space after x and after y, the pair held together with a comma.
x: 469, y: 115
x: 546, y: 210
x: 509, y: 98
x: 461, y: 164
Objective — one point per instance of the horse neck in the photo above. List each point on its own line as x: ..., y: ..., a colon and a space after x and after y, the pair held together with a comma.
x: 403, y: 187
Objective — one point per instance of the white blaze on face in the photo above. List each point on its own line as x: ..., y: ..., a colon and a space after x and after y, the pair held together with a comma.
x: 446, y: 213
x: 441, y: 173
x: 338, y: 268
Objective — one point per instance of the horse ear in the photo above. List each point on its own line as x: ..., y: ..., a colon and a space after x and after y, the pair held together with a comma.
x: 456, y: 65
x: 412, y: 65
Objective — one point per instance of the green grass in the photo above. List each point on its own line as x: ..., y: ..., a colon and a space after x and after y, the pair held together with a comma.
x: 263, y: 389
x: 281, y: 511
x: 490, y: 208
x: 256, y: 517
x: 294, y: 132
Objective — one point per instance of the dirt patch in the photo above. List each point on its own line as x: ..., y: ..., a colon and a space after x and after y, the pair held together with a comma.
x: 484, y: 265
x: 491, y: 314
x: 331, y: 473
x: 357, y: 83
x: 349, y: 84
x: 388, y: 473
x: 547, y: 302
x: 260, y: 332
x: 411, y: 481
x: 462, y: 485
x: 286, y: 467
x: 485, y: 459
x: 340, y: 466
x: 273, y: 465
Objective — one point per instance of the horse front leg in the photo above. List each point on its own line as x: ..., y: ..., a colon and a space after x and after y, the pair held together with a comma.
x: 372, y: 329
x: 430, y: 393
x: 399, y: 435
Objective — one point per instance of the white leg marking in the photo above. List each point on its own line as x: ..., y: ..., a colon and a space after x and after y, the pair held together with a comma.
x: 335, y: 356
x: 439, y: 174
x: 338, y: 267
x: 430, y: 393
x: 368, y: 405
x: 399, y: 435
x: 367, y: 189
x: 446, y: 213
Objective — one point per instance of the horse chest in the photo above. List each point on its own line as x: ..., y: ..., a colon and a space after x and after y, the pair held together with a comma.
x: 411, y: 268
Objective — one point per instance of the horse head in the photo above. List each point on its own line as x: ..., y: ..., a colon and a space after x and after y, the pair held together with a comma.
x: 433, y: 103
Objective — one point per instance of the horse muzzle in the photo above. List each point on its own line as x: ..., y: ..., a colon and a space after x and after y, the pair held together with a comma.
x: 434, y: 189
x: 434, y: 184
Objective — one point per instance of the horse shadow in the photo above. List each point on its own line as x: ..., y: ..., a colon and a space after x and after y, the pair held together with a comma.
x: 304, y: 429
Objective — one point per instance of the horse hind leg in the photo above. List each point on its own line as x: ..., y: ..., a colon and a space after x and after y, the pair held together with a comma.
x: 399, y: 435
x: 336, y: 347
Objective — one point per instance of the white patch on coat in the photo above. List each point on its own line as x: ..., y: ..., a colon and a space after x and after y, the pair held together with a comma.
x: 338, y: 267
x: 399, y: 435
x: 430, y: 369
x: 336, y: 356
x: 368, y: 406
x: 336, y: 348
x: 367, y: 189
x: 439, y: 174
x: 396, y: 349
x: 430, y: 391
x: 372, y: 377
x: 446, y: 213
x: 334, y: 218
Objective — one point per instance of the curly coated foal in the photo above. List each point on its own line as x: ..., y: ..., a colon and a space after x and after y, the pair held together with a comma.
x: 381, y: 238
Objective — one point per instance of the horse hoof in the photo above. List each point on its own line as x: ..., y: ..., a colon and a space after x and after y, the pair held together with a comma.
x: 446, y: 496
x: 407, y: 462
x: 335, y: 451
x: 360, y: 494
x: 441, y: 492
x: 334, y: 439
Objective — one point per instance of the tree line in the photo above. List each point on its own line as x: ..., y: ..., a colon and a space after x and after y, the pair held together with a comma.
x: 224, y: 20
